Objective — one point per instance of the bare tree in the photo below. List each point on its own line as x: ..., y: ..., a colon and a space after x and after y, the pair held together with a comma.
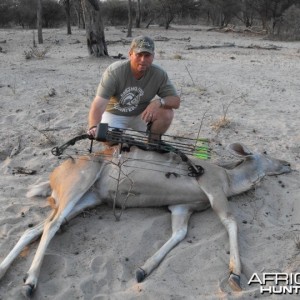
x: 169, y: 11
x: 39, y: 21
x: 79, y: 13
x: 94, y: 28
x: 138, y: 15
x: 270, y: 11
x: 151, y: 11
x: 129, y: 29
x: 247, y: 13
x: 221, y: 12
x: 289, y: 27
x: 67, y: 6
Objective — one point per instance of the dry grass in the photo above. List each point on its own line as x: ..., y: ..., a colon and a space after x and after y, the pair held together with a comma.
x: 223, y: 122
x: 36, y: 53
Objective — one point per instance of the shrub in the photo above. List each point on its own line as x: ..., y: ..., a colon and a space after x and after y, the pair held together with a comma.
x: 289, y: 26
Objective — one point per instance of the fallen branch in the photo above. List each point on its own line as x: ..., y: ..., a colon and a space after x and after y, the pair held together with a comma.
x: 156, y: 38
x: 270, y: 47
x: 253, y: 31
x: 225, y: 45
x: 232, y: 28
x: 165, y: 39
x: 232, y: 45
x: 25, y: 171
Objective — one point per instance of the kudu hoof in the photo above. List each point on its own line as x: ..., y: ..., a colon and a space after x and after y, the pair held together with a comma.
x: 27, y: 290
x: 235, y: 282
x: 140, y: 275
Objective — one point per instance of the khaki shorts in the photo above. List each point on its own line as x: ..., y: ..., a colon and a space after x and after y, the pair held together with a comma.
x: 126, y: 122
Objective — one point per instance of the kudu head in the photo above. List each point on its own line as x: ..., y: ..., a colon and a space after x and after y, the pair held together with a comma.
x: 266, y: 164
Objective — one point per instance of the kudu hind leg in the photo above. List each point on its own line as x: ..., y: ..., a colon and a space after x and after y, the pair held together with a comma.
x: 180, y: 217
x: 50, y: 228
x: 28, y: 236
x: 90, y: 199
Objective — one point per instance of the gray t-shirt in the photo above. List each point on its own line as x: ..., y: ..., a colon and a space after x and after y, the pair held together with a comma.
x: 129, y: 96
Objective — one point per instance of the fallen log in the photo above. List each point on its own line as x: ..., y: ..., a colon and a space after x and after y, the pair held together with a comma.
x: 232, y: 45
x: 201, y: 47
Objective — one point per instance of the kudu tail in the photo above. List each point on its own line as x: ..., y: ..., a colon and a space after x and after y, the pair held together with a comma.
x: 41, y: 189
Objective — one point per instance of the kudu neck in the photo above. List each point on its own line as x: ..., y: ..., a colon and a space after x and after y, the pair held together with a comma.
x: 245, y: 176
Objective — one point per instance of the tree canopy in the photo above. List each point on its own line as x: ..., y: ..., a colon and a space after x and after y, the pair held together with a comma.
x: 273, y: 16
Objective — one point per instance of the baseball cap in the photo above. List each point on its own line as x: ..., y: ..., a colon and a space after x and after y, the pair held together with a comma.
x: 142, y: 44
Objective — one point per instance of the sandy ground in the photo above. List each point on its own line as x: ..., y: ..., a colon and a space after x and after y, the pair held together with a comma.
x: 44, y: 102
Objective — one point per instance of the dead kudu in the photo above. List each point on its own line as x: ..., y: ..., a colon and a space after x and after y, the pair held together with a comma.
x: 78, y: 184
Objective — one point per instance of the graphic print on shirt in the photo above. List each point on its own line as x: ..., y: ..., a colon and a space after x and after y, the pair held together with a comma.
x: 129, y: 99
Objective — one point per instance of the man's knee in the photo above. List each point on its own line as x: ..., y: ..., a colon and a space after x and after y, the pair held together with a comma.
x: 166, y: 115
x: 163, y: 121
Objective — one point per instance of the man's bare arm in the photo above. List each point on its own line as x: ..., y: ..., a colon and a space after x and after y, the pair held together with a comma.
x: 97, y: 109
x: 172, y: 102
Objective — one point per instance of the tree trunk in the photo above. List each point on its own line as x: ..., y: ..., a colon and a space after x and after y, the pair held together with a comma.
x: 138, y: 15
x: 78, y: 10
x: 129, y: 29
x: 68, y: 15
x: 94, y: 28
x: 81, y: 22
x: 150, y: 21
x: 39, y: 21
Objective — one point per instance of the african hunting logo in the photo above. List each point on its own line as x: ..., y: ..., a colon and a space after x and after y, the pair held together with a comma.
x: 277, y: 283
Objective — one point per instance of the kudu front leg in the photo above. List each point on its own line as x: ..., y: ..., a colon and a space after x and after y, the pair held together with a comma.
x: 219, y: 204
x: 180, y: 217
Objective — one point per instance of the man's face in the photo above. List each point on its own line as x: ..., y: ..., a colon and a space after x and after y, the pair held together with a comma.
x: 140, y: 62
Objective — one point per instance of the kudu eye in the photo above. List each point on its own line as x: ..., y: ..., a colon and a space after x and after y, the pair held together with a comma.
x: 265, y: 152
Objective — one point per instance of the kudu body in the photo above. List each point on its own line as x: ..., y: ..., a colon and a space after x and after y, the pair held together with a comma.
x: 145, y: 179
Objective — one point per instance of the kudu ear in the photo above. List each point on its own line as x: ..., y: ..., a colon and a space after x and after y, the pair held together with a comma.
x: 239, y: 150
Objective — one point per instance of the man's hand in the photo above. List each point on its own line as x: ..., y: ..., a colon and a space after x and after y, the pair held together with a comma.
x: 151, y: 111
x: 92, y: 131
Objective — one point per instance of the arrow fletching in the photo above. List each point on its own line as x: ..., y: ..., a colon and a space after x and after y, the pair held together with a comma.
x: 202, y: 149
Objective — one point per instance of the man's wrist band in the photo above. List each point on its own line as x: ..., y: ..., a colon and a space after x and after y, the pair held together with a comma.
x: 93, y: 127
